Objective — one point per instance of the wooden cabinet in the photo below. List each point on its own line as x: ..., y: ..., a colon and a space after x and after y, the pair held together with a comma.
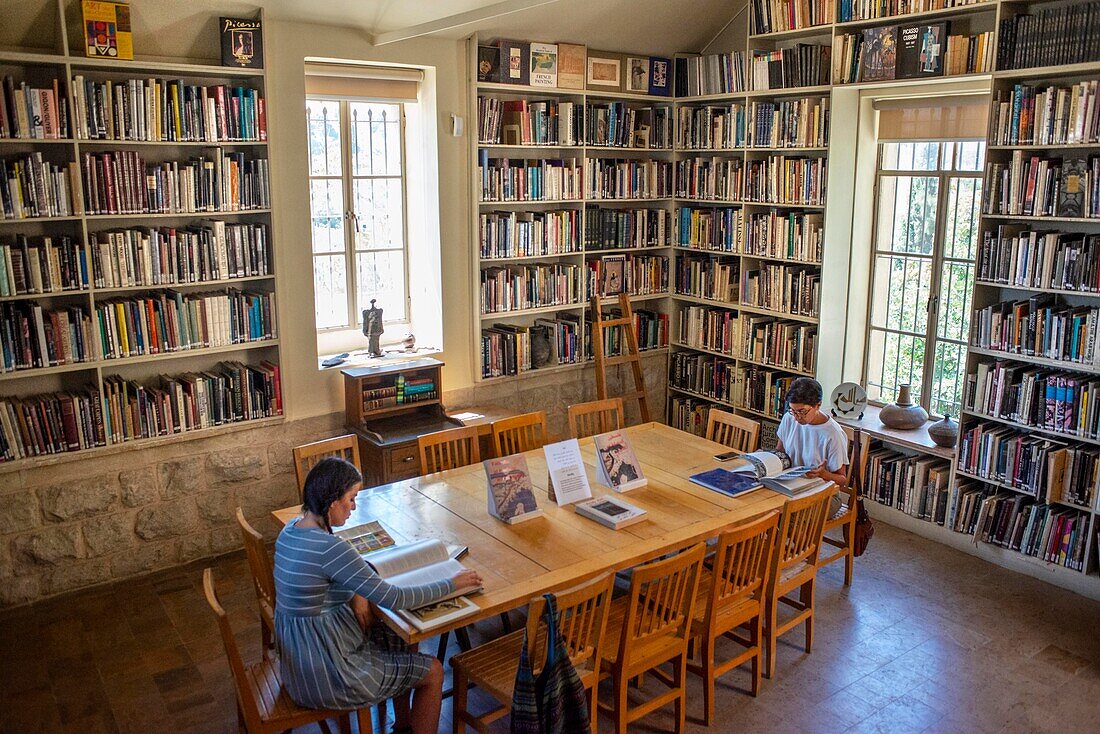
x: 388, y: 407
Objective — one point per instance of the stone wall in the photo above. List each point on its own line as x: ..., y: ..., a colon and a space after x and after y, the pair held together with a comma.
x: 84, y: 521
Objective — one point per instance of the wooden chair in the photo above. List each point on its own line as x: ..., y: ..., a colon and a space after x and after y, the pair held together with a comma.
x: 731, y: 594
x: 652, y: 627
x: 448, y: 449
x: 582, y: 619
x: 519, y: 433
x: 263, y: 706
x: 263, y: 579
x: 306, y: 456
x: 594, y: 417
x: 794, y: 566
x: 845, y: 519
x: 735, y: 431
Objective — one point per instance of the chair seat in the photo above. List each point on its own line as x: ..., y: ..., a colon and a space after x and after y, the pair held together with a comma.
x: 840, y: 519
x: 644, y: 653
x: 274, y: 703
x: 743, y: 608
x: 267, y: 614
x: 796, y: 575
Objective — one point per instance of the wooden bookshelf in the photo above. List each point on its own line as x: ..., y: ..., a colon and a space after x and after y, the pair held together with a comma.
x: 91, y: 378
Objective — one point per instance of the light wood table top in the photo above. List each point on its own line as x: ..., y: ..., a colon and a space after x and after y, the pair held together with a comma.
x: 561, y: 548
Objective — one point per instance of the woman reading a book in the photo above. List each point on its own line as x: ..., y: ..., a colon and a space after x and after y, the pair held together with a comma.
x: 812, y: 438
x: 333, y: 653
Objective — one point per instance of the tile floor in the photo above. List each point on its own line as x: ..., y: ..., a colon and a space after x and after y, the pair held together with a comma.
x: 926, y: 640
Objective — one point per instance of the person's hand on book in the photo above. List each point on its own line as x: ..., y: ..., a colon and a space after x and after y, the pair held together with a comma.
x: 466, y: 579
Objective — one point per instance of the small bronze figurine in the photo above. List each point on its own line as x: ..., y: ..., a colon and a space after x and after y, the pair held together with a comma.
x: 372, y: 329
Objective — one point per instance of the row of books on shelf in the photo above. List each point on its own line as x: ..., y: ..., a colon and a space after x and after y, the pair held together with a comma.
x: 524, y: 234
x: 1050, y: 115
x: 1048, y: 532
x: 787, y: 235
x: 705, y: 277
x: 167, y: 110
x: 34, y: 337
x: 918, y: 486
x: 1069, y: 34
x: 702, y: 374
x: 1039, y: 327
x: 793, y: 290
x: 31, y: 186
x: 572, y: 66
x: 518, y: 287
x: 710, y: 74
x: 803, y: 65
x: 33, y: 113
x: 1048, y: 469
x: 772, y: 16
x: 614, y: 178
x: 778, y: 343
x: 917, y: 51
x: 76, y: 420
x: 528, y: 122
x: 781, y: 179
x: 207, y: 251
x: 562, y: 339
x: 714, y: 329
x: 792, y: 123
x: 637, y: 275
x: 609, y: 229
x: 1014, y: 256
x: 717, y: 229
x: 851, y: 10
x: 689, y: 414
x: 711, y: 126
x: 782, y: 345
x: 715, y: 178
x: 45, y: 265
x: 1063, y: 402
x: 516, y: 179
x: 1038, y: 186
x: 619, y: 125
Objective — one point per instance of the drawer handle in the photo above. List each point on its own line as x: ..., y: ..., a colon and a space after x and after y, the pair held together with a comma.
x: 408, y: 459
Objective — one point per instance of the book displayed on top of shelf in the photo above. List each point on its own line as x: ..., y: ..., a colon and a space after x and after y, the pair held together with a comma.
x: 660, y: 76
x: 605, y: 71
x: 511, y: 496
x: 514, y: 62
x: 488, y: 63
x: 921, y: 50
x: 616, y: 464
x: 242, y: 42
x: 637, y: 74
x: 879, y: 53
x: 609, y: 510
x: 107, y: 32
x: 544, y: 65
x: 572, y: 59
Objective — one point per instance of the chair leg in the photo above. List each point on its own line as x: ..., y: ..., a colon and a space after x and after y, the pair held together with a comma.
x: 462, y: 634
x: 620, y: 704
x: 769, y: 637
x: 363, y: 721
x: 344, y: 722
x: 441, y: 653
x: 679, y: 673
x: 242, y: 725
x: 383, y: 715
x: 593, y: 706
x: 849, y: 554
x: 459, y: 697
x: 806, y: 596
x: 754, y: 637
x: 708, y: 678
x: 506, y: 622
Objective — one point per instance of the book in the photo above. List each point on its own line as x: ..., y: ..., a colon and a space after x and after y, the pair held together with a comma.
x: 725, y: 481
x: 514, y: 63
x: 571, y: 65
x: 414, y: 564
x: 768, y: 465
x: 568, y: 479
x: 637, y: 74
x: 511, y: 497
x: 660, y: 76
x: 616, y: 463
x: 107, y: 31
x: 488, y: 63
x: 544, y: 65
x: 1071, y: 193
x: 367, y: 538
x: 440, y: 613
x: 879, y: 53
x: 921, y: 50
x: 242, y: 43
x: 611, y: 511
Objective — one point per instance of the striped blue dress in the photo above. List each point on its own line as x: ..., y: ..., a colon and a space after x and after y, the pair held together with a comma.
x: 327, y: 661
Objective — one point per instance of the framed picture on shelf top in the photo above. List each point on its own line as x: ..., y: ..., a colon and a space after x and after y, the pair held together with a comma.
x: 604, y: 70
x: 637, y: 74
x: 242, y: 43
x: 660, y: 77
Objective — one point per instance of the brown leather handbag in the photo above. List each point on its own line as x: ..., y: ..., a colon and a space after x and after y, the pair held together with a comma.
x: 865, y: 529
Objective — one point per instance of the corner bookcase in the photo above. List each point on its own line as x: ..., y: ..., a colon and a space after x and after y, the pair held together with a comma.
x: 113, y: 355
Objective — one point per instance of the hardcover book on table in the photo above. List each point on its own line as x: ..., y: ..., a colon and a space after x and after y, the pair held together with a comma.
x: 424, y: 562
x: 511, y: 497
x: 611, y: 511
x: 920, y: 50
x: 727, y: 482
x: 242, y: 43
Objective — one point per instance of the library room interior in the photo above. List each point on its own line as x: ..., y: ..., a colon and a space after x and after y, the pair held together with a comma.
x: 549, y: 366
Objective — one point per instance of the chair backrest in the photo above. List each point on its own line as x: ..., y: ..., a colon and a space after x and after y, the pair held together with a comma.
x: 259, y: 562
x: 742, y: 561
x: 519, y: 433
x: 306, y: 456
x: 582, y: 620
x: 800, y: 529
x: 735, y: 431
x: 246, y: 697
x: 594, y: 417
x: 662, y: 600
x: 448, y: 449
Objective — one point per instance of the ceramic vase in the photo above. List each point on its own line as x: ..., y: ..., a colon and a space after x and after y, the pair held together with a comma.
x: 903, y: 415
x: 944, y: 433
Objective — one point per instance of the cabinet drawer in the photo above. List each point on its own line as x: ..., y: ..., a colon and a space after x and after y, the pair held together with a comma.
x: 403, y: 462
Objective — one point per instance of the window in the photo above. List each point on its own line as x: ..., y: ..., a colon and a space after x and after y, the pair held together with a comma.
x: 928, y: 199
x: 357, y: 209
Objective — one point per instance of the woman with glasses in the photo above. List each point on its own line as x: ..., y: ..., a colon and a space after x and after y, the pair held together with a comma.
x: 812, y: 438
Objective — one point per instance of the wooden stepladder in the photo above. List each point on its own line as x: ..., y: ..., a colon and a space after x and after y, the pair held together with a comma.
x: 629, y: 356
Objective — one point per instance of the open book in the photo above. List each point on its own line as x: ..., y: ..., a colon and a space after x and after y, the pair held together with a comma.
x: 774, y: 470
x: 422, y: 562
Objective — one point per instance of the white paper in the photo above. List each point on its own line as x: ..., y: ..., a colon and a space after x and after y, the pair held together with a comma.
x: 567, y: 472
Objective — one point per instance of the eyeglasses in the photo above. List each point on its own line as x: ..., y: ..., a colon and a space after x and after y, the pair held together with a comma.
x: 799, y: 413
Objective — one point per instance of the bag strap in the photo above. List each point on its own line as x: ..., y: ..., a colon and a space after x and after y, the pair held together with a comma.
x: 550, y: 617
x: 857, y: 462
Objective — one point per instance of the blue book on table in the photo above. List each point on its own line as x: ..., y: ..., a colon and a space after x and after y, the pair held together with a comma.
x: 726, y: 482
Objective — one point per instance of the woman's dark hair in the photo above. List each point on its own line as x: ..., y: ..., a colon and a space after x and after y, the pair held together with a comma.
x: 327, y: 482
x: 804, y: 391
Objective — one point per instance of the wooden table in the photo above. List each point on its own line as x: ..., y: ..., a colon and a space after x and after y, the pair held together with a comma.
x: 561, y: 548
